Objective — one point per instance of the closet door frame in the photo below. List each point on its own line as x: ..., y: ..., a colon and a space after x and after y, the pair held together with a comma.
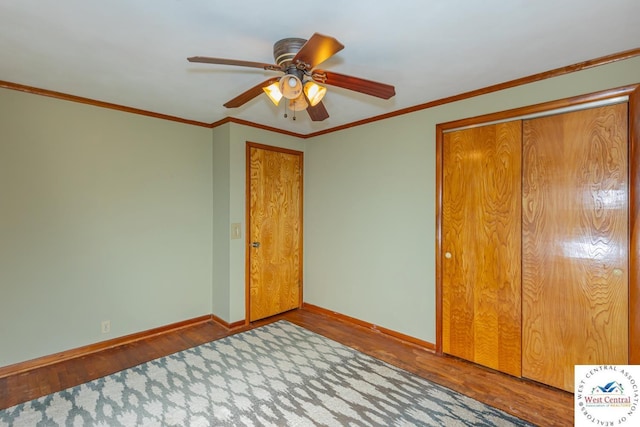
x: 633, y: 94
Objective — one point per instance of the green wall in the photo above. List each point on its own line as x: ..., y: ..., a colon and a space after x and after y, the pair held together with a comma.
x: 221, y: 222
x: 106, y: 215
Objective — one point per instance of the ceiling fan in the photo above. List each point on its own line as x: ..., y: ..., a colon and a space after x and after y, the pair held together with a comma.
x: 297, y: 59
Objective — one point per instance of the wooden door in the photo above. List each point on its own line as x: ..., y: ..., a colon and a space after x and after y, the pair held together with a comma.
x: 275, y: 230
x: 575, y: 243
x: 481, y: 234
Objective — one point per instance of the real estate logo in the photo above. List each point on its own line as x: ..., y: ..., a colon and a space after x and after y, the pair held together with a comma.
x: 607, y: 395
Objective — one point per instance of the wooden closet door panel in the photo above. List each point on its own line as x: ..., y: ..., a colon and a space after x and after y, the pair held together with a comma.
x: 575, y: 243
x: 481, y: 236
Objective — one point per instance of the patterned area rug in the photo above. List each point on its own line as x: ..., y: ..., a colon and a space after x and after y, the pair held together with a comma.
x: 276, y: 375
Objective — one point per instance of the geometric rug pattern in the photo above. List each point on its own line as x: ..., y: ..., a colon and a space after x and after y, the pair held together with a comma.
x: 276, y: 375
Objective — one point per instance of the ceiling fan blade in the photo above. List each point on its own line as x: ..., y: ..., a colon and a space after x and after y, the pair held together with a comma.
x: 222, y: 61
x: 316, y: 50
x: 248, y: 95
x: 368, y: 87
x: 318, y: 113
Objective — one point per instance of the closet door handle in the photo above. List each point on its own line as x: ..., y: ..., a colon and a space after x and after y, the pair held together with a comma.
x: 447, y: 255
x: 255, y: 244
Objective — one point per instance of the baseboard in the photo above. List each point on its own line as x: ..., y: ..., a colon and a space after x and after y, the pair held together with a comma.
x: 75, y: 353
x: 234, y: 325
x: 40, y: 362
x: 425, y: 344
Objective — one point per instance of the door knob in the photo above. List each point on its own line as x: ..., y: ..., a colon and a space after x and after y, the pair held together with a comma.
x: 447, y: 255
x: 255, y: 244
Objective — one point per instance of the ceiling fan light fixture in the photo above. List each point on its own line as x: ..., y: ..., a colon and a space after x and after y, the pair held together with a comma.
x: 297, y: 58
x: 273, y: 92
x: 314, y: 92
x: 290, y: 86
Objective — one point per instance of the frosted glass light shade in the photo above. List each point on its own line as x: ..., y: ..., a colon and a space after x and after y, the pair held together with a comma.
x: 314, y: 92
x: 298, y: 104
x: 290, y: 86
x: 273, y: 92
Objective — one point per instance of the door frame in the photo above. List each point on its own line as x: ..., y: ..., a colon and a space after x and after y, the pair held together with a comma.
x: 247, y: 257
x: 633, y: 94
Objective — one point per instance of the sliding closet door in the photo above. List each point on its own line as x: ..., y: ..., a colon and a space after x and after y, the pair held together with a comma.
x: 575, y: 243
x: 481, y: 235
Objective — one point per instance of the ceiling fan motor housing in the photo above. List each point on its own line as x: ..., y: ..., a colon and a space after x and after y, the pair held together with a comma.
x: 286, y: 49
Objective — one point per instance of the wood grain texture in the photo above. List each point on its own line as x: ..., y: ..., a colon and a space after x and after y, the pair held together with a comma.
x: 575, y: 243
x: 533, y: 402
x: 481, y: 241
x: 634, y: 227
x: 574, y: 102
x: 275, y: 221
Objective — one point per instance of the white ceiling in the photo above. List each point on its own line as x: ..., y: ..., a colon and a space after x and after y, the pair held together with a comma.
x: 133, y: 52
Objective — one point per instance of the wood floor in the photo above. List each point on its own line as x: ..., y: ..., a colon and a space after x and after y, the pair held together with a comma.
x: 538, y: 404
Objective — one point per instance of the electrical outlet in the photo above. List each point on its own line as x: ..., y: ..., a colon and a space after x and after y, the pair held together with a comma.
x: 105, y: 326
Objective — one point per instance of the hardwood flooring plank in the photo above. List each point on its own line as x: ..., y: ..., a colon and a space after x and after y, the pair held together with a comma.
x: 536, y: 403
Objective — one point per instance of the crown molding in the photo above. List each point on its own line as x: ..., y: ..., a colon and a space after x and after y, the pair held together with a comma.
x: 489, y: 89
